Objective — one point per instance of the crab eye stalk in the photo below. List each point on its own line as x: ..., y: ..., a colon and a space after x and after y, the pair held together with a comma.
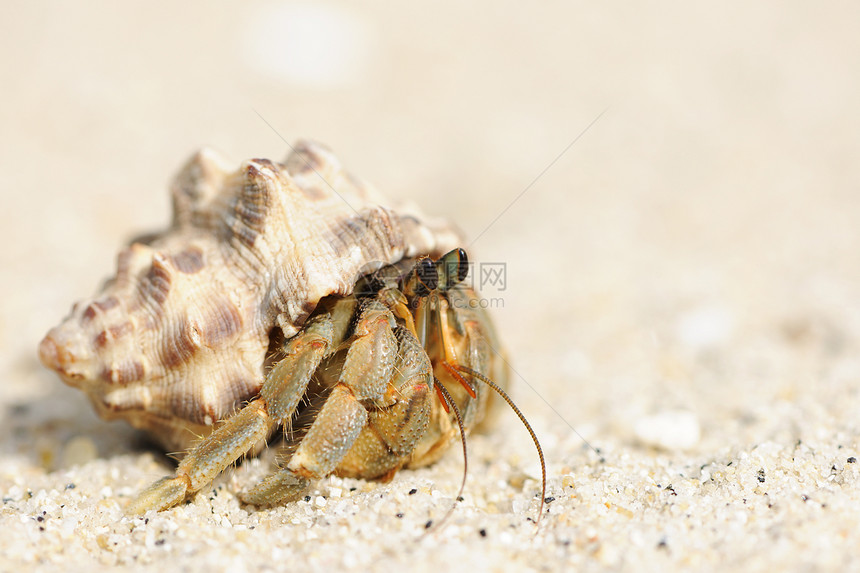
x: 463, y: 266
x: 426, y: 273
x: 421, y: 280
x: 452, y: 268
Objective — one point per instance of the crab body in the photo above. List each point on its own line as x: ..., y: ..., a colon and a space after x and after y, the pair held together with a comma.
x: 283, y: 295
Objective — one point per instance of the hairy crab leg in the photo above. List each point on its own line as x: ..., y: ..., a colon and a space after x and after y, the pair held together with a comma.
x: 391, y: 433
x: 284, y: 387
x: 364, y: 382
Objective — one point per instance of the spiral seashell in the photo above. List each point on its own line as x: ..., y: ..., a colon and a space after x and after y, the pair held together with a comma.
x: 178, y: 338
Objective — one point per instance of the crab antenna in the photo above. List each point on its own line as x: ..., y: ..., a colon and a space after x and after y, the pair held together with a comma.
x: 442, y: 391
x: 525, y: 422
x: 459, y: 377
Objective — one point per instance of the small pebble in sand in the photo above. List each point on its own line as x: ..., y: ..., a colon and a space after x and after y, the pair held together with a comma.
x: 705, y: 327
x: 78, y: 451
x: 669, y: 430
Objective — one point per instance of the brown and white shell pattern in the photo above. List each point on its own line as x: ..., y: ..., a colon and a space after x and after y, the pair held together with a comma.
x: 178, y: 339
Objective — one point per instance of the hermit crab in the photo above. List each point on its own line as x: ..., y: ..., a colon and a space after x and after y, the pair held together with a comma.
x: 286, y: 296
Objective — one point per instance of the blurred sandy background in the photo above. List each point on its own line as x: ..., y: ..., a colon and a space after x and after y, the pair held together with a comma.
x: 682, y: 282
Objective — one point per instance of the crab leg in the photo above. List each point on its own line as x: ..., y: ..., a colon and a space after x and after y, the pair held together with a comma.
x: 392, y: 433
x: 377, y: 377
x: 281, y: 392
